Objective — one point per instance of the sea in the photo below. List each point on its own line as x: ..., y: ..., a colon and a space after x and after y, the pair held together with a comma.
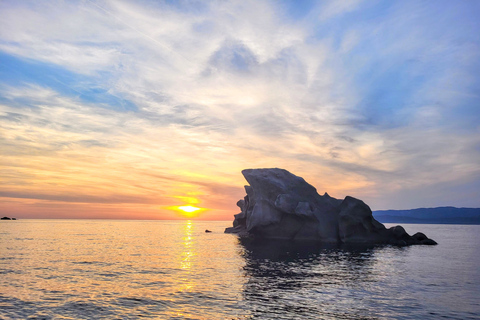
x: 113, y: 269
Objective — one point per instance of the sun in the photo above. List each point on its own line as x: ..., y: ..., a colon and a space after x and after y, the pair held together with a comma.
x: 187, y: 211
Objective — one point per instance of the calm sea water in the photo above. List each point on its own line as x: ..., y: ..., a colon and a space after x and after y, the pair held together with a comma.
x: 104, y: 269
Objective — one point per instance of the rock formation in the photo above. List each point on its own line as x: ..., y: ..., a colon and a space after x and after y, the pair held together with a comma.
x: 280, y: 205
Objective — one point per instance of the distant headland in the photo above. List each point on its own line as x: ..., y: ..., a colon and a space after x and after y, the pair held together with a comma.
x: 440, y: 215
x: 281, y: 205
x: 7, y: 218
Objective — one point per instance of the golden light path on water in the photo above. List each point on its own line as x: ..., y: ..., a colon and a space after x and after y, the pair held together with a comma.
x: 194, y: 258
x: 187, y: 284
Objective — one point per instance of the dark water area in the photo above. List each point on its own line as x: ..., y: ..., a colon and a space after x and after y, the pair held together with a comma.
x: 101, y: 269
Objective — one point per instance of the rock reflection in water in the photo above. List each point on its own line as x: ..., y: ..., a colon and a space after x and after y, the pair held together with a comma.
x: 309, y: 281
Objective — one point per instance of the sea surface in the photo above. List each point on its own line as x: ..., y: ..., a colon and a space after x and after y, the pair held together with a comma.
x: 110, y: 269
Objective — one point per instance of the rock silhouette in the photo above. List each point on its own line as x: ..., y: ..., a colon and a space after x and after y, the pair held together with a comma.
x: 281, y: 205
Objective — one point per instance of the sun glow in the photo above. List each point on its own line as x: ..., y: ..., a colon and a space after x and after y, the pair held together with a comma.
x: 188, y: 211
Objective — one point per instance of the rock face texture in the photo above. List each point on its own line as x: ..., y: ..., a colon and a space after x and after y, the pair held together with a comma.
x: 280, y: 205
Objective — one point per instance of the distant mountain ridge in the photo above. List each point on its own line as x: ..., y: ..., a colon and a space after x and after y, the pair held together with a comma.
x: 440, y: 215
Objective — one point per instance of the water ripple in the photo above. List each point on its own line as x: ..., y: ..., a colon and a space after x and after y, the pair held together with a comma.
x: 173, y: 270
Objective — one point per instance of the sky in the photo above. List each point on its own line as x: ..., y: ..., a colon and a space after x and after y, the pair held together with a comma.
x: 129, y: 109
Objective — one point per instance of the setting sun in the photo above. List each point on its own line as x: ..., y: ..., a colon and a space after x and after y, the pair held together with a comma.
x: 187, y: 211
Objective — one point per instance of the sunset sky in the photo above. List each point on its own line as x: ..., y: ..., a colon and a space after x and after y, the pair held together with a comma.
x: 128, y: 109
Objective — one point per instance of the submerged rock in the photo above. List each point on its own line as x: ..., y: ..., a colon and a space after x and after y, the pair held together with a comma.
x: 281, y: 205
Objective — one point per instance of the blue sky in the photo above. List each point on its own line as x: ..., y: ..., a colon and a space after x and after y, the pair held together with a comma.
x: 135, y: 106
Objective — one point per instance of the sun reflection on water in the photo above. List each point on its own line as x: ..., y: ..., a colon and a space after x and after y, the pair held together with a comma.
x: 188, y: 246
x: 186, y: 284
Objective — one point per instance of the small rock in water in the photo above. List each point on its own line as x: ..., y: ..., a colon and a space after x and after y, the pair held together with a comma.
x: 207, y: 231
x: 281, y: 205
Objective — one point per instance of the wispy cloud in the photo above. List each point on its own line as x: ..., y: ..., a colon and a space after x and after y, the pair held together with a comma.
x: 122, y: 102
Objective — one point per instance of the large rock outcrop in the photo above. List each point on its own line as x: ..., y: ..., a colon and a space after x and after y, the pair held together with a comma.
x: 280, y: 205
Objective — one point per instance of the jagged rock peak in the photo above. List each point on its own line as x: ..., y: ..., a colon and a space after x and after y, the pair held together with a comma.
x: 281, y: 205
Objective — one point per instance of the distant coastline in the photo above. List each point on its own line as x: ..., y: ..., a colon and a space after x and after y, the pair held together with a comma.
x: 440, y: 215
